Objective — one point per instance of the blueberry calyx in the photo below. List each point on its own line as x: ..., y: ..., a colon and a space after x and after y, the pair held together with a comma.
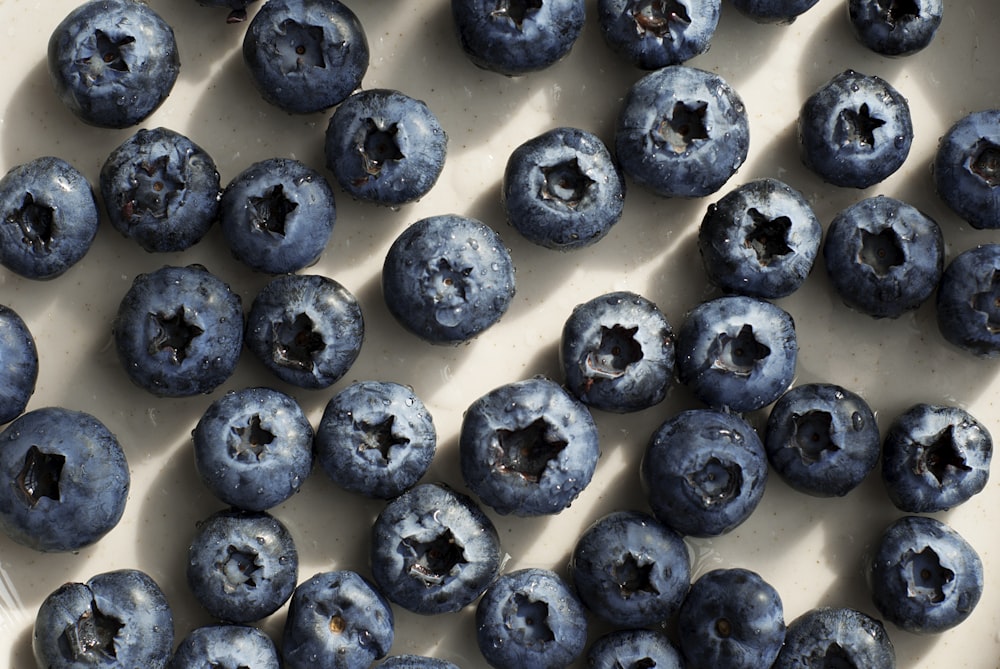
x: 655, y: 17
x: 632, y: 574
x: 379, y: 147
x: 987, y: 302
x: 153, y: 189
x: 40, y: 475
x: 93, y: 634
x: 528, y: 621
x: 769, y: 236
x: 740, y: 354
x: 881, y: 250
x: 618, y: 349
x: 899, y: 11
x: 239, y: 567
x: 250, y: 442
x: 985, y: 162
x: 684, y: 126
x: 296, y: 343
x: 527, y: 451
x: 434, y: 560
x: 717, y: 482
x: 940, y: 454
x: 109, y: 54
x: 381, y: 437
x: 35, y: 220
x: 271, y: 209
x: 174, y: 335
x: 925, y: 576
x: 516, y: 11
x: 813, y: 435
x: 565, y: 182
x: 857, y: 127
x: 302, y: 48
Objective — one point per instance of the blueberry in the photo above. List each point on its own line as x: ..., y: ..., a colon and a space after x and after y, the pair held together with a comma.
x: 447, y: 278
x: 225, y: 647
x: 760, y: 239
x: 19, y: 357
x: 968, y: 301
x: 179, y: 331
x: 562, y: 189
x: 376, y: 438
x: 855, y: 130
x: 253, y: 448
x: 242, y: 565
x: 682, y: 132
x: 655, y: 33
x: 515, y: 37
x: 737, y: 352
x: 924, y: 577
x: 113, y: 62
x: 630, y: 569
x: 433, y: 550
x: 822, y: 439
x: 935, y: 457
x: 305, y: 56
x: 117, y: 618
x: 65, y: 480
x: 530, y: 618
x: 895, y: 27
x: 633, y: 649
x: 836, y: 637
x: 48, y: 218
x: 704, y: 472
x: 306, y: 328
x: 773, y: 11
x: 966, y: 168
x: 160, y: 189
x: 528, y: 447
x: 237, y: 8
x: 277, y: 215
x: 409, y: 661
x: 884, y: 257
x: 336, y: 620
x: 731, y: 618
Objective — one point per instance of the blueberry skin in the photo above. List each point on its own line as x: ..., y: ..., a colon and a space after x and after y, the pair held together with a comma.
x: 113, y: 62
x: 385, y: 147
x: 226, y: 647
x: 924, y: 577
x: 48, y: 218
x: 277, y: 215
x: 516, y: 38
x: 117, y: 618
x: 964, y: 168
x: 562, y: 189
x: 935, y: 457
x: 65, y: 480
x: 829, y: 636
x: 305, y: 56
x: 415, y: 662
x: 336, y: 620
x: 731, y: 618
x: 682, y: 132
x: 18, y: 362
x: 433, y: 550
x: 855, y: 130
x: 617, y: 352
x: 530, y: 618
x: 633, y: 649
x: 630, y: 569
x: 528, y: 448
x: 773, y: 11
x: 737, y: 352
x: 652, y: 35
x: 966, y: 302
x: 306, y: 328
x: 894, y: 30
x: 883, y: 256
x: 253, y: 448
x: 160, y: 189
x: 376, y: 438
x: 760, y: 239
x: 447, y: 278
x: 822, y: 439
x: 242, y: 565
x: 179, y: 331
x: 704, y: 472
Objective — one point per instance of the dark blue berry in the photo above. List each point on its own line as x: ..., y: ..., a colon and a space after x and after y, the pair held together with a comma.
x: 225, y: 647
x: 966, y: 168
x: 655, y: 33
x: 633, y: 649
x: 20, y: 361
x: 895, y: 27
x: 773, y: 11
x: 836, y: 637
x: 968, y: 301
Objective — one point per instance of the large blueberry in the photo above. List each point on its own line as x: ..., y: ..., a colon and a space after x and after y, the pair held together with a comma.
x: 773, y: 11
x: 655, y: 33
x: 836, y: 637
x: 64, y: 480
x: 179, y: 331
x: 19, y: 361
x: 225, y: 647
x: 113, y: 62
x: 968, y: 301
x: 966, y: 168
x: 48, y: 218
x: 894, y: 27
x: 633, y: 649
x: 682, y: 132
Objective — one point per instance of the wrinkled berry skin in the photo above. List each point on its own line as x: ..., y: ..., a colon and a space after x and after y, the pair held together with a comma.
x: 632, y: 649
x: 682, y: 132
x: 836, y: 637
x: 179, y: 331
x: 48, y: 218
x: 305, y: 56
x: 935, y: 457
x: 225, y: 647
x: 651, y: 37
x: 433, y: 550
x: 773, y: 11
x: 336, y: 620
x: 19, y: 357
x: 386, y: 147
x: 617, y: 352
x: 113, y: 62
x: 730, y: 618
x: 822, y: 439
x: 924, y: 577
x: 161, y: 190
x: 516, y: 38
x: 855, y: 130
x: 530, y: 618
x: 968, y: 310
x: 965, y: 168
x: 64, y: 480
x: 73, y: 623
x: 895, y: 29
